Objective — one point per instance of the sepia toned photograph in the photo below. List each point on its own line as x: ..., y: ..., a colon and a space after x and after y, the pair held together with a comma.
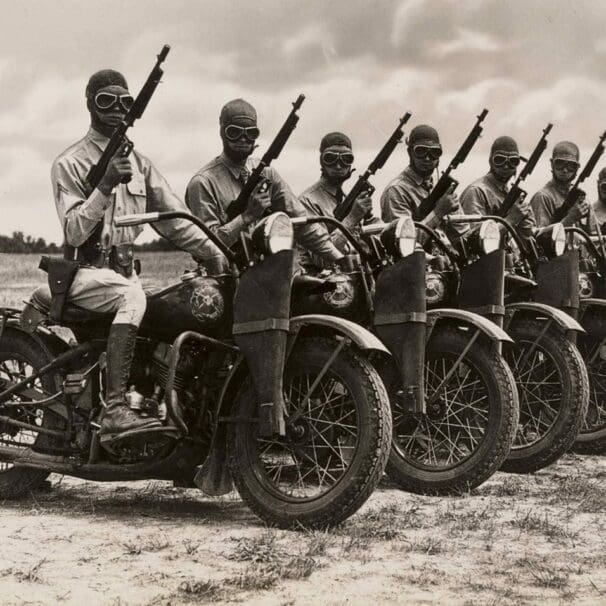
x: 303, y: 303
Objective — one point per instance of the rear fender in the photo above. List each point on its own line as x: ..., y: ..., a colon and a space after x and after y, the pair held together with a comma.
x: 313, y: 324
x: 464, y: 320
x: 536, y: 311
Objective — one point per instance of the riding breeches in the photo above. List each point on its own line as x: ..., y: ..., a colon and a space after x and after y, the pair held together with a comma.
x: 105, y: 291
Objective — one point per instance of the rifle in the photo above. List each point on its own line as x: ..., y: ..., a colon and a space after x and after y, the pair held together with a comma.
x: 446, y: 183
x: 516, y: 192
x: 362, y: 185
x: 576, y: 194
x: 238, y: 206
x: 119, y: 140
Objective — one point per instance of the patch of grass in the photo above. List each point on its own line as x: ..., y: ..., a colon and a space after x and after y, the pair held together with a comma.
x: 262, y: 549
x: 255, y: 578
x: 383, y: 524
x: 201, y: 591
x: 587, y: 496
x: 427, y: 545
x: 529, y: 521
x: 30, y: 574
x: 191, y: 547
x: 138, y: 546
x: 545, y: 575
x: 318, y: 543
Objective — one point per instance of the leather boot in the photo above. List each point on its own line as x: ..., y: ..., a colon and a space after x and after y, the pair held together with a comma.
x: 119, y: 418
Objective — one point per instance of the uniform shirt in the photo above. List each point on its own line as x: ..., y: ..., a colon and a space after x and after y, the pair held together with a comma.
x: 80, y: 211
x: 485, y: 196
x: 217, y: 184
x: 403, y: 196
x: 545, y: 202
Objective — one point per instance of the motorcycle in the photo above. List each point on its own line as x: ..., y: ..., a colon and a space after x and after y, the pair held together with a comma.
x: 592, y: 316
x: 533, y: 299
x: 453, y: 398
x: 287, y: 409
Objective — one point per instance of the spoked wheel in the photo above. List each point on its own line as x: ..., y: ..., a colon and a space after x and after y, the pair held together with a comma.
x: 19, y: 358
x: 336, y: 443
x: 592, y: 437
x: 472, y: 412
x: 554, y: 391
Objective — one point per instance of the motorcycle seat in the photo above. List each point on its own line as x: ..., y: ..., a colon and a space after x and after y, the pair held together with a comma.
x: 72, y: 314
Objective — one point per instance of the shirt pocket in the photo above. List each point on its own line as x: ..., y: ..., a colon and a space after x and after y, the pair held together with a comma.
x: 136, y: 195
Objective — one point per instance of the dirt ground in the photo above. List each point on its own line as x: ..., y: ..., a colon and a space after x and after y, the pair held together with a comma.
x: 537, y: 539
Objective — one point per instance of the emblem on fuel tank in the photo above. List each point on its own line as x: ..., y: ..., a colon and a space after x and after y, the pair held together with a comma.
x: 206, y: 301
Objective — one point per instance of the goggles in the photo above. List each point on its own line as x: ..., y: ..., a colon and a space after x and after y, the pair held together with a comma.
x: 345, y: 158
x: 502, y: 160
x: 106, y: 101
x: 569, y: 165
x: 433, y: 152
x: 602, y: 186
x: 233, y: 132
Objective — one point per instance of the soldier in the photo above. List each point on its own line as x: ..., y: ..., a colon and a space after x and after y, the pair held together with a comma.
x: 599, y: 206
x: 485, y: 196
x: 321, y: 199
x: 564, y: 167
x: 218, y: 183
x: 406, y: 192
x: 105, y: 281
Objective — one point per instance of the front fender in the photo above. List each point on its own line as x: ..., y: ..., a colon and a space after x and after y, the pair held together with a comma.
x: 592, y: 316
x: 359, y: 335
x: 491, y: 330
x: 536, y: 310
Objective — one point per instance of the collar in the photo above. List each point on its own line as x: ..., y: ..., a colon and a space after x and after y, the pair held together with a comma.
x: 329, y: 187
x: 232, y: 167
x: 496, y: 183
x: 416, y: 178
x: 97, y: 138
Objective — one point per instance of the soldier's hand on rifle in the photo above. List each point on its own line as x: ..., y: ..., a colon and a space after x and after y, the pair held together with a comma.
x: 258, y: 203
x: 519, y: 212
x: 578, y: 211
x: 119, y: 168
x: 446, y: 205
x: 362, y: 206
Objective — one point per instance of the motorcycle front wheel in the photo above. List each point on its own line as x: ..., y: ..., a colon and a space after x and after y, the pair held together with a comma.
x: 553, y: 386
x: 338, y: 430
x: 470, y: 421
x: 592, y: 437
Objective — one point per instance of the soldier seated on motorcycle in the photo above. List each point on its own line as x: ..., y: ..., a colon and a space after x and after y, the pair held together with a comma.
x: 105, y: 281
x: 217, y: 184
x: 408, y: 190
x: 321, y: 198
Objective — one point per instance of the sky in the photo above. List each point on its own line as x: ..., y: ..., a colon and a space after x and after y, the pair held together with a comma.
x: 361, y: 65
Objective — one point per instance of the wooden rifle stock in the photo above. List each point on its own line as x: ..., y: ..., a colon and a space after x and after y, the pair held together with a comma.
x: 118, y: 140
x: 446, y: 183
x: 362, y: 184
x: 238, y: 206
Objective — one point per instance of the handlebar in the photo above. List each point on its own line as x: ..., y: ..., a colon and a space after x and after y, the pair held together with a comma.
x: 154, y: 217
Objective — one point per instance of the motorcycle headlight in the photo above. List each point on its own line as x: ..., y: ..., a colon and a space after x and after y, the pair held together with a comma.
x: 400, y: 237
x: 489, y: 237
x: 273, y: 234
x: 585, y: 286
x: 552, y: 240
x: 435, y: 288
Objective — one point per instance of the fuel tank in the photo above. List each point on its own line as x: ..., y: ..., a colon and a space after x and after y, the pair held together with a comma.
x: 198, y: 302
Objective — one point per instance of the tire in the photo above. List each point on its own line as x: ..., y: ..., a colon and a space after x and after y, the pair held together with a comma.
x: 18, y: 352
x: 419, y: 460
x: 592, y: 436
x: 357, y: 420
x: 555, y: 358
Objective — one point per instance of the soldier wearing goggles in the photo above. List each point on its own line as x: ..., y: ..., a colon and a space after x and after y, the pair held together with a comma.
x: 321, y: 198
x: 217, y: 184
x: 599, y: 206
x: 564, y: 168
x: 105, y: 281
x: 406, y: 192
x: 485, y: 195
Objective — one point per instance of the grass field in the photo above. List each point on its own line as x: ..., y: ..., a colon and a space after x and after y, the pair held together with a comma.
x: 19, y: 274
x: 531, y: 539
